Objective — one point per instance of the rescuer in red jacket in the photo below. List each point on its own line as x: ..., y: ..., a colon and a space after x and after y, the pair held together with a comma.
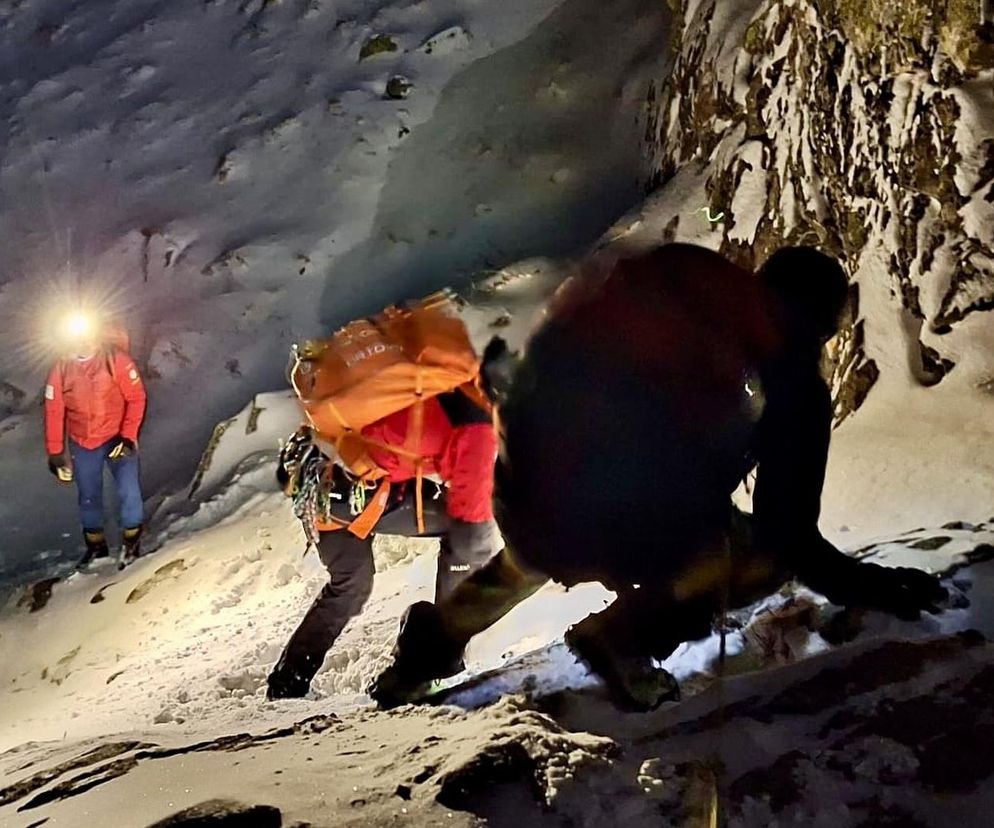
x: 459, y: 445
x: 95, y: 403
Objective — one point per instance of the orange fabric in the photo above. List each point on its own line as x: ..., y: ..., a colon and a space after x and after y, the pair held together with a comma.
x: 364, y: 523
x: 93, y: 400
x: 374, y: 367
x: 370, y: 390
x: 463, y: 456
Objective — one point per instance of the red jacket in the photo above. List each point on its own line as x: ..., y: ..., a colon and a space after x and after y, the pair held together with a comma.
x: 95, y: 400
x: 463, y: 456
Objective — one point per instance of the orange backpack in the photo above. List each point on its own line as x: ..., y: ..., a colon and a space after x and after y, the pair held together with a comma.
x: 378, y: 366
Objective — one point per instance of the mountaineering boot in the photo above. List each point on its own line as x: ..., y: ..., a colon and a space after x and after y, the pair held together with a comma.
x: 634, y: 683
x: 284, y: 683
x: 423, y: 652
x: 96, y: 547
x: 131, y: 547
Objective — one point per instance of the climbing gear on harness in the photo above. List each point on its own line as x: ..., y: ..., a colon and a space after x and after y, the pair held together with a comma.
x: 294, y: 454
x: 357, y: 498
x: 311, y: 499
x: 313, y: 482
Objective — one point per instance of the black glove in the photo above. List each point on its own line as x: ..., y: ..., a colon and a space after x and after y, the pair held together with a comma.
x: 58, y: 466
x: 901, y: 591
x: 123, y: 447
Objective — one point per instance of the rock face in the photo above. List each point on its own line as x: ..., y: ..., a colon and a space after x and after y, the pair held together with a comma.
x: 222, y: 812
x: 864, y: 128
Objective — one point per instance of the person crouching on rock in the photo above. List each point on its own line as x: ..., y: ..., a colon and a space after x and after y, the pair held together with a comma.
x: 654, y: 385
x: 95, y: 400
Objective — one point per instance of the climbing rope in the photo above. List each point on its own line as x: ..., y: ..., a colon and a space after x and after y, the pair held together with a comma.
x: 312, y: 500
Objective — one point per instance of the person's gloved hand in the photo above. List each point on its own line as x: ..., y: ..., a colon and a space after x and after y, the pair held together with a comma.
x: 58, y: 466
x: 901, y: 591
x: 123, y: 447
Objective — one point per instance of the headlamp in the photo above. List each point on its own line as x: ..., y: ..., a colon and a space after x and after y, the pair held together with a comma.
x: 78, y: 325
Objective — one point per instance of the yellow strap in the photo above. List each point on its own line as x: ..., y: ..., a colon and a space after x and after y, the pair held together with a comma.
x: 419, y: 462
x: 417, y: 427
x: 419, y: 498
x: 338, y: 415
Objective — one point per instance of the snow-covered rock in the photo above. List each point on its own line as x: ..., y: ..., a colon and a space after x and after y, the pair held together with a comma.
x: 865, y: 129
x: 889, y: 723
x: 293, y: 192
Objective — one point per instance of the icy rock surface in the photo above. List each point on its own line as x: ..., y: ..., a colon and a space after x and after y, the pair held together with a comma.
x: 814, y: 125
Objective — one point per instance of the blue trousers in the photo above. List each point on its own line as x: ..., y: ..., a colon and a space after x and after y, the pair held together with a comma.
x: 88, y: 470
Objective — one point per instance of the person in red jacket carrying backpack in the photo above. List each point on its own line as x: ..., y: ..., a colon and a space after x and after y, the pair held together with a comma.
x: 449, y: 436
x: 94, y: 407
x: 399, y: 440
x: 460, y: 444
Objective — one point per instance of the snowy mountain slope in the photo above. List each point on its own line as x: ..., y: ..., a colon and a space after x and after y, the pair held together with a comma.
x: 189, y: 633
x: 173, y: 657
x: 231, y: 555
x: 234, y: 175
x: 887, y: 725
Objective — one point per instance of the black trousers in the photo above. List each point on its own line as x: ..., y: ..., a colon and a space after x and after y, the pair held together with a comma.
x: 465, y: 548
x: 349, y: 561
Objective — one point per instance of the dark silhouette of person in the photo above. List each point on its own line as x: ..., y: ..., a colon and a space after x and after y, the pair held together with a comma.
x: 654, y: 385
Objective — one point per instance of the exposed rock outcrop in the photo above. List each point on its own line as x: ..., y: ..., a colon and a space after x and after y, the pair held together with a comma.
x: 862, y: 127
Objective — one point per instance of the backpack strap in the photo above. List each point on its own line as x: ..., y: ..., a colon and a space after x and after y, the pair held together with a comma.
x: 413, y: 446
x: 110, y: 354
x: 369, y: 473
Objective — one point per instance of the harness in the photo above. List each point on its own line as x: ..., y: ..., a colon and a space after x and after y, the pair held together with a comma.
x: 312, y: 487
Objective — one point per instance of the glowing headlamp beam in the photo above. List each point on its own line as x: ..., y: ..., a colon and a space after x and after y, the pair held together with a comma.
x: 78, y: 325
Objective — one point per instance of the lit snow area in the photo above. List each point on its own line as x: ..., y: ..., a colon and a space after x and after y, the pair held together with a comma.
x: 235, y: 177
x: 241, y: 179
x: 171, y: 657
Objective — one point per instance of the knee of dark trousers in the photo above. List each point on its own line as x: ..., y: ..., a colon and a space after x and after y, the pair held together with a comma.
x: 349, y: 561
x: 464, y: 549
x: 469, y: 544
